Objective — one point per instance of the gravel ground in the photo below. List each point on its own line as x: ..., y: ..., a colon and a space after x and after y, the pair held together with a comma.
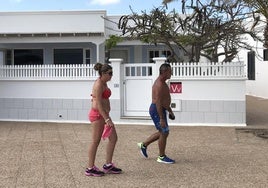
x: 55, y: 155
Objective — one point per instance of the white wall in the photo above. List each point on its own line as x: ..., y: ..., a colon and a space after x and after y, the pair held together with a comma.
x: 258, y: 87
x: 69, y: 89
x: 233, y: 90
x: 52, y: 22
x: 202, y: 101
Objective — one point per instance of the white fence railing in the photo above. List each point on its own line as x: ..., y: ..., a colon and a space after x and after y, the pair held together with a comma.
x: 80, y: 71
x: 74, y: 71
x: 138, y: 70
x: 209, y: 70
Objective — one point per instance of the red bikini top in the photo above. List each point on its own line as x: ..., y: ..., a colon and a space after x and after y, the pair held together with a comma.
x: 106, y: 93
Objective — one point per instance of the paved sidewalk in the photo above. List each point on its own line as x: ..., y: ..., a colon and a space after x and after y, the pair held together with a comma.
x: 55, y: 155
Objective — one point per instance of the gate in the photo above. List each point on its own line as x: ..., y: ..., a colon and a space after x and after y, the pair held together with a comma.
x: 137, y: 82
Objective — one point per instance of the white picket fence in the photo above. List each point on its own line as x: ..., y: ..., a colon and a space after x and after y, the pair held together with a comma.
x: 209, y: 70
x: 80, y: 71
x: 74, y: 71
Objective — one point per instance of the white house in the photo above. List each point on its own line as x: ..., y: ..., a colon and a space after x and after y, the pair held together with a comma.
x: 256, y: 62
x: 46, y: 73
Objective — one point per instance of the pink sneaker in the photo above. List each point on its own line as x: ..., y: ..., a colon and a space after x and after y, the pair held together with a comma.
x: 111, y: 169
x: 94, y: 171
x: 106, y: 131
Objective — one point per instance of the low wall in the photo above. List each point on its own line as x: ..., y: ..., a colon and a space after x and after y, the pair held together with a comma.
x: 45, y: 100
x: 201, y: 100
x: 206, y: 102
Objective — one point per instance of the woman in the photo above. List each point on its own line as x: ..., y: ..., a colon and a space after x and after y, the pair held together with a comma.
x: 99, y: 117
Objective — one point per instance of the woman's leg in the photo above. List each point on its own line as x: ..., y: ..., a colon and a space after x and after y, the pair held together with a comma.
x: 110, y: 146
x: 96, y: 131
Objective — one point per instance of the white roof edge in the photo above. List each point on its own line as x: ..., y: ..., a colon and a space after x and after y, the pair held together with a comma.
x: 51, y: 12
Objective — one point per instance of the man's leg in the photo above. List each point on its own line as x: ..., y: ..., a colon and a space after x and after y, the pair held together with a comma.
x: 162, y: 142
x: 143, y: 145
x: 151, y: 139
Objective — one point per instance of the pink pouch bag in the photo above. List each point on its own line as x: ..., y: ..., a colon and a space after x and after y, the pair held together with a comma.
x: 106, y: 131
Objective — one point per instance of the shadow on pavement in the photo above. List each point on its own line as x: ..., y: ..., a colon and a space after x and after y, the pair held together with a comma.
x: 257, y: 120
x: 256, y: 111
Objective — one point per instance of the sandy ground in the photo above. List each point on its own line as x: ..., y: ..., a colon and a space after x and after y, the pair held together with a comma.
x: 48, y: 155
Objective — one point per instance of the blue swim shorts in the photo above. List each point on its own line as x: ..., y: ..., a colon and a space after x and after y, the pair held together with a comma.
x: 156, y: 119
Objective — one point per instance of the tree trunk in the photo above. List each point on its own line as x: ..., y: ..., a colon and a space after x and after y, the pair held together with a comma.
x: 266, y: 35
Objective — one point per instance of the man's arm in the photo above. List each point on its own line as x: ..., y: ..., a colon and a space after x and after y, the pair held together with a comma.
x: 171, y: 114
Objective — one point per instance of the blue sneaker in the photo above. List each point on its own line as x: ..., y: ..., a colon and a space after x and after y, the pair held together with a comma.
x: 165, y: 160
x: 143, y: 149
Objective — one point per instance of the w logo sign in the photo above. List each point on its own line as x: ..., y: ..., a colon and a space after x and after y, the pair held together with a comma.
x: 175, y: 87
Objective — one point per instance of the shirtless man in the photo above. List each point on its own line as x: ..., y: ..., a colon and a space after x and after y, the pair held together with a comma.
x: 160, y: 104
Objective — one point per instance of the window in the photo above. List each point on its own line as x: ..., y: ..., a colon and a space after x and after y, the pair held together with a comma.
x: 158, y: 53
x: 265, y: 55
x: 87, y: 56
x: 153, y: 54
x: 166, y: 53
x: 68, y: 56
x: 251, y: 65
x: 8, y: 57
x: 26, y: 57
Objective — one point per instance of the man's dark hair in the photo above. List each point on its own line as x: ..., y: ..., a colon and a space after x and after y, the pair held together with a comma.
x: 164, y: 67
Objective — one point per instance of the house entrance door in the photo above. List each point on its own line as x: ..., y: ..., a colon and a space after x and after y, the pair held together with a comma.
x: 137, y: 82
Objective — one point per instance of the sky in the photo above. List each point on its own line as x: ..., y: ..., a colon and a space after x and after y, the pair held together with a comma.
x: 113, y: 7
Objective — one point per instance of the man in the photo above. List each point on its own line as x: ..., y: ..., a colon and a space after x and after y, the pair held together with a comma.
x: 160, y: 104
